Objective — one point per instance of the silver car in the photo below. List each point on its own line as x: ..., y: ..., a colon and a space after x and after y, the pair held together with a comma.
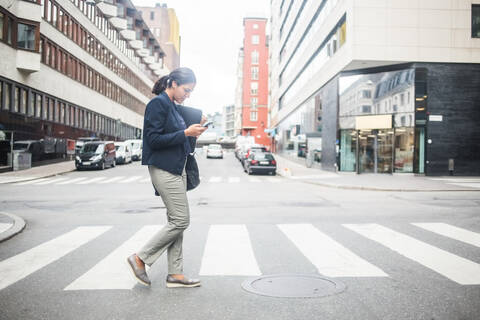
x: 214, y: 151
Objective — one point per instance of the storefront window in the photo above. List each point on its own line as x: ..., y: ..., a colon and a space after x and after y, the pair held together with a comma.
x: 2, y: 16
x: 404, y: 147
x: 26, y: 36
x: 475, y: 20
x: 348, y: 150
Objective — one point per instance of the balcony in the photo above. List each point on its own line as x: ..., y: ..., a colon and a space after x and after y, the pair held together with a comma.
x: 155, y: 66
x: 161, y: 72
x: 128, y: 34
x: 119, y: 23
x: 149, y: 59
x: 28, y: 61
x: 108, y: 9
x: 136, y: 44
x: 143, y: 52
x: 26, y: 10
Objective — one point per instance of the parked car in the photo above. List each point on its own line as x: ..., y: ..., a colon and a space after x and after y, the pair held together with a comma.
x: 137, y: 146
x: 123, y: 152
x: 260, y: 162
x: 96, y: 155
x: 35, y: 147
x: 251, y: 149
x: 82, y: 140
x: 214, y: 151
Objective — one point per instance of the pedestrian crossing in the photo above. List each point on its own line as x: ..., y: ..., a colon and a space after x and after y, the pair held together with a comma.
x: 229, y: 251
x: 62, y: 181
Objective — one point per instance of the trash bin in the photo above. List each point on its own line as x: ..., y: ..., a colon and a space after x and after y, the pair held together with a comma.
x: 22, y: 160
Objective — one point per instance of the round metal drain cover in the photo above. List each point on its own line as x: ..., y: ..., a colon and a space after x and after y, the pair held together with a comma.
x: 293, y: 286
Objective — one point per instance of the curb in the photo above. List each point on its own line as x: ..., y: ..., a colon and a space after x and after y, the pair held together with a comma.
x: 18, y: 226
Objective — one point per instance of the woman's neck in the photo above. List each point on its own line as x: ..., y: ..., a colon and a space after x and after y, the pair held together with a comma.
x: 169, y: 93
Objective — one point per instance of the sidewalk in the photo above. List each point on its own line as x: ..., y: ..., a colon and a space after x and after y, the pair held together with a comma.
x: 37, y: 172
x: 374, y: 182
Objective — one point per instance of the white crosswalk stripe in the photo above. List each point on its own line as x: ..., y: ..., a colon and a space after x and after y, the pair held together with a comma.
x: 32, y: 182
x: 252, y: 179
x: 76, y: 180
x: 112, y: 180
x: 111, y: 272
x: 24, y: 264
x: 51, y: 181
x: 228, y: 251
x: 330, y: 257
x: 131, y: 179
x: 455, y: 268
x: 233, y: 179
x: 273, y: 180
x: 92, y: 180
x: 215, y: 179
x: 452, y: 232
x: 467, y: 184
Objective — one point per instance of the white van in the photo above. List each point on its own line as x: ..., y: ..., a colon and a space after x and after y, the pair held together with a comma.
x: 123, y: 152
x: 137, y: 146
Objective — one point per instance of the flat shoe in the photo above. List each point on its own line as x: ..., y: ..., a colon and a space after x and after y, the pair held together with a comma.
x: 139, y: 273
x: 183, y: 283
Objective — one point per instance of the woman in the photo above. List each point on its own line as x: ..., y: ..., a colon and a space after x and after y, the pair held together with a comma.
x: 165, y: 149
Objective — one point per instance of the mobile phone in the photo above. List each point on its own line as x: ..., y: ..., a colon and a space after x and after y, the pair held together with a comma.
x: 207, y: 124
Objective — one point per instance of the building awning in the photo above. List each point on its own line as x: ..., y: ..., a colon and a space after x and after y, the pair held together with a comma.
x: 249, y: 128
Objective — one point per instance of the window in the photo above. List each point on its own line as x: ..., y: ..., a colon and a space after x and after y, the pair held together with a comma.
x: 255, y: 26
x: 26, y: 36
x: 152, y: 15
x: 2, y: 16
x: 475, y: 20
x: 254, y: 73
x: 254, y: 88
x: 367, y: 94
x: 255, y: 57
x: 255, y: 39
x: 38, y: 105
x: 253, y: 115
x: 8, y: 96
x: 366, y: 109
x: 254, y: 102
x: 9, y: 30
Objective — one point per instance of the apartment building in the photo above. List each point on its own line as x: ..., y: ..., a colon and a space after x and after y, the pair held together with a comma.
x: 73, y: 68
x: 373, y: 86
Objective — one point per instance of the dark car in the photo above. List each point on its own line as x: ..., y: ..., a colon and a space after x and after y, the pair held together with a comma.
x: 96, y: 155
x: 251, y: 149
x: 260, y: 162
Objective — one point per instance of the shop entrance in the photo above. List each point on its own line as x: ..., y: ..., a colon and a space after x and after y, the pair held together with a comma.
x: 375, y: 151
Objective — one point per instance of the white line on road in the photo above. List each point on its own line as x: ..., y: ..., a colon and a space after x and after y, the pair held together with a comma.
x: 455, y: 268
x: 72, y: 181
x: 92, y: 180
x: 215, y: 179
x: 27, y: 262
x: 453, y: 232
x: 32, y: 181
x: 112, y: 272
x: 233, y: 179
x: 131, y: 179
x: 54, y: 180
x: 112, y: 179
x: 252, y: 179
x: 228, y: 251
x: 273, y: 180
x: 331, y: 258
x: 465, y: 184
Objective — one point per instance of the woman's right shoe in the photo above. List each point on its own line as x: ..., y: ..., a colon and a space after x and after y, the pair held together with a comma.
x: 139, y: 273
x: 182, y: 283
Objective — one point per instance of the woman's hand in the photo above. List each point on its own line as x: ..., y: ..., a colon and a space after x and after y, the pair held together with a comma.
x: 194, y: 130
x: 204, y: 119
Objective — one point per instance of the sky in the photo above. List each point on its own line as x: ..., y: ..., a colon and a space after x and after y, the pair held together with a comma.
x: 212, y: 34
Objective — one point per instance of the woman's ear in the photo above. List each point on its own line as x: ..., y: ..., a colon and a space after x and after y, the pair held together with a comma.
x: 174, y: 84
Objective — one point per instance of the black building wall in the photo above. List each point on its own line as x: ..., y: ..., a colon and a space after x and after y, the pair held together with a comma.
x: 329, y: 100
x: 453, y: 92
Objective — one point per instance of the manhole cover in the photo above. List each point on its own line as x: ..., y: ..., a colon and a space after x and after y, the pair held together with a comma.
x: 293, y: 286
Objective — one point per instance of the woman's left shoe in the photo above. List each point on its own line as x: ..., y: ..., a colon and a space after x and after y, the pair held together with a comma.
x: 183, y: 283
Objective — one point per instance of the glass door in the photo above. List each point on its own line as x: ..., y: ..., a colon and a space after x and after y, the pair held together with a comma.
x: 366, y: 151
x: 384, y: 151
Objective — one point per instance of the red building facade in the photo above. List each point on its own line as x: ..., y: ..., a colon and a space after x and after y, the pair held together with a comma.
x: 255, y: 81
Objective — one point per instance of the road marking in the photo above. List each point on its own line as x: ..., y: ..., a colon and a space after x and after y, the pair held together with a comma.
x: 5, y: 226
x: 54, y: 180
x: 452, y: 232
x: 453, y: 267
x: 456, y: 179
x: 273, y: 180
x: 131, y: 179
x: 228, y: 251
x: 233, y: 179
x: 145, y: 180
x: 112, y: 272
x: 465, y: 184
x: 92, y: 180
x: 331, y: 258
x: 252, y: 179
x: 112, y: 179
x: 72, y: 181
x: 215, y: 179
x: 32, y: 181
x: 27, y: 262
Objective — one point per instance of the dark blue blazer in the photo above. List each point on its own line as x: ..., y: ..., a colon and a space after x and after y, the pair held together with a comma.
x: 163, y: 134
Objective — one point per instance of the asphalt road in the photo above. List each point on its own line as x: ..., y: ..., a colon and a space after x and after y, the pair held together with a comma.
x: 399, y: 255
